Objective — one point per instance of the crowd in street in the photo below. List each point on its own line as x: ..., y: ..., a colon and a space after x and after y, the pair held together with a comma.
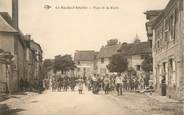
x: 118, y: 82
x: 64, y: 83
x: 115, y: 82
x: 31, y: 85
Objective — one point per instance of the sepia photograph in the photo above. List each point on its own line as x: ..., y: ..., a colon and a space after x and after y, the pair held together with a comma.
x: 91, y: 57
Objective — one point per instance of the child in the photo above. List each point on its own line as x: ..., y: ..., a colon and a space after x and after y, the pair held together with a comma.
x: 80, y: 87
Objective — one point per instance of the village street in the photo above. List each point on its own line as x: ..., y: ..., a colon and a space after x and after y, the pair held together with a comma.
x: 71, y: 103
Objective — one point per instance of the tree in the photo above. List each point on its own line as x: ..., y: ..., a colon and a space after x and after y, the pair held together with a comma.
x: 47, y: 65
x: 118, y: 63
x: 147, y: 64
x: 64, y: 63
x: 112, y: 42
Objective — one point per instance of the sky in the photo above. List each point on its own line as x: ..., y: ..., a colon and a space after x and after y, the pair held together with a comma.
x: 62, y: 31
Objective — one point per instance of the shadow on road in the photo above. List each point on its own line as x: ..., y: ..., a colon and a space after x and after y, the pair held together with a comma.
x: 3, y: 98
x: 34, y: 101
x: 5, y: 110
x: 19, y: 93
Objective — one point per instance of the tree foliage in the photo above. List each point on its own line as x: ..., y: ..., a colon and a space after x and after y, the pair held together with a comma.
x: 137, y: 40
x: 118, y: 63
x: 64, y: 63
x: 147, y: 64
x: 47, y: 63
x: 112, y: 42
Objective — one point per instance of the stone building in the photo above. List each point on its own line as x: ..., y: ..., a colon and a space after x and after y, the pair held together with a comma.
x: 135, y: 53
x: 5, y: 72
x: 165, y: 30
x: 37, y: 60
x: 104, y: 57
x: 33, y: 59
x: 85, y: 62
x: 8, y: 43
x: 12, y: 40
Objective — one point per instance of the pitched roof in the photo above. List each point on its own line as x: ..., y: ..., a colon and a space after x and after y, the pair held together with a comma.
x: 5, y: 26
x: 87, y: 55
x: 152, y: 13
x: 35, y: 46
x: 152, y: 16
x: 108, y: 51
x: 166, y: 11
x: 135, y: 48
x: 7, y: 18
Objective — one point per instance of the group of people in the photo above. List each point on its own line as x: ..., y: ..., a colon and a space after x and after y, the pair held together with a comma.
x: 97, y: 83
x: 118, y: 82
x: 59, y: 83
x: 31, y: 85
x: 64, y: 83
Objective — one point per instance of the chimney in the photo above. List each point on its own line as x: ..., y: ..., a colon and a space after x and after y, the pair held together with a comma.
x: 28, y: 37
x: 15, y: 14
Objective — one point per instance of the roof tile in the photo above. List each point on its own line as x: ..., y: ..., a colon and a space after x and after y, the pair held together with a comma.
x: 4, y: 26
x: 88, y: 55
x: 108, y: 51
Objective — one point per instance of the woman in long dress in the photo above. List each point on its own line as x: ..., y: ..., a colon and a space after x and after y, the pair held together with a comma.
x: 80, y: 86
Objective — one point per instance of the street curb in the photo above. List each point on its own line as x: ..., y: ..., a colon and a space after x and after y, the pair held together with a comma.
x: 4, y: 97
x: 159, y: 100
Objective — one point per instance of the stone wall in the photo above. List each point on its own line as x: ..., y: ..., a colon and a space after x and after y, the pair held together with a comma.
x: 7, y: 42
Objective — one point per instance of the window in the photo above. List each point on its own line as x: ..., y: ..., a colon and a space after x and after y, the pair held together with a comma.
x: 173, y: 25
x: 138, y: 68
x: 166, y: 30
x: 142, y: 56
x: 95, y: 67
x: 102, y: 60
x: 27, y: 55
x: 95, y: 57
x: 158, y: 44
x: 172, y: 71
x: 1, y: 68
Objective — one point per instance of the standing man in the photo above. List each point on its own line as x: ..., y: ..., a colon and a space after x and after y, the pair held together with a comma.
x: 65, y: 83
x: 125, y: 85
x: 80, y: 86
x: 119, y: 83
x: 72, y: 83
x: 106, y: 83
x: 59, y: 83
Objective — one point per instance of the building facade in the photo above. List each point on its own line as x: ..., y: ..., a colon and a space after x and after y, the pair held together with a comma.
x: 104, y: 57
x: 37, y: 60
x: 7, y: 43
x: 5, y: 71
x: 12, y: 40
x: 85, y: 62
x: 166, y: 32
x: 136, y: 54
